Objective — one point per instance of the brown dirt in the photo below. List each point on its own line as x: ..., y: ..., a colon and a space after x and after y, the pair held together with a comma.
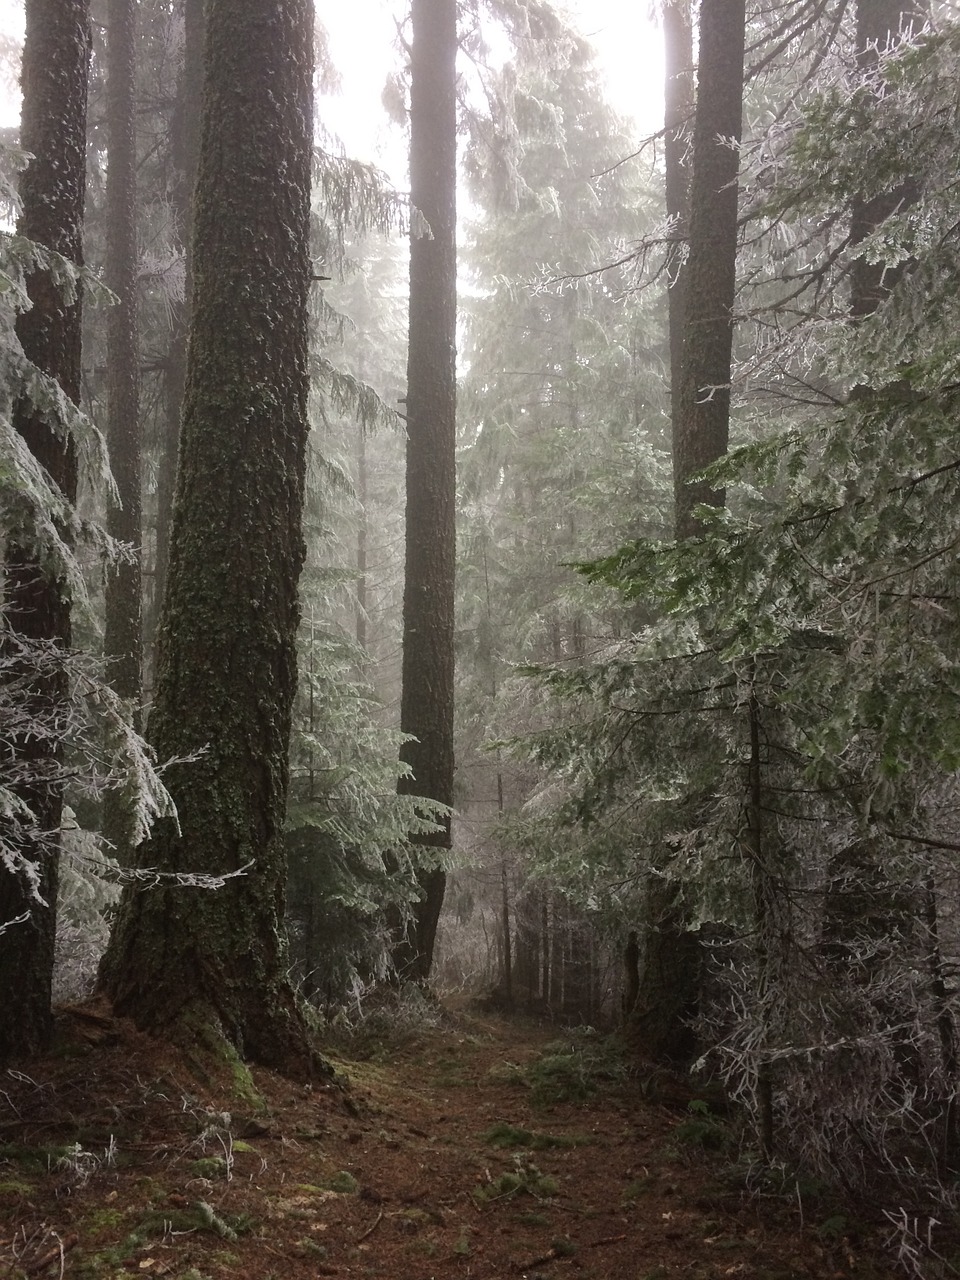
x: 395, y: 1178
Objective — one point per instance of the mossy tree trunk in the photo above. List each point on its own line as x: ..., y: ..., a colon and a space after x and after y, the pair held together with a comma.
x: 56, y: 56
x: 428, y: 600
x: 186, y: 959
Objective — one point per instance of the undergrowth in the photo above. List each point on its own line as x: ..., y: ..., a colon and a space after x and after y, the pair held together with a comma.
x: 575, y: 1068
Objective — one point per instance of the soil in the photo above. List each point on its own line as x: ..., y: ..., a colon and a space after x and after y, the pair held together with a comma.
x: 482, y: 1147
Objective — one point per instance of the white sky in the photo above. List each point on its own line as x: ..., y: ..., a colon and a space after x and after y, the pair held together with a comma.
x: 629, y: 49
x: 628, y: 45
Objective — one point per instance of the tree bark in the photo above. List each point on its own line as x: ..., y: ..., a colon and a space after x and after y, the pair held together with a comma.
x: 428, y: 599
x: 702, y: 430
x: 670, y: 961
x: 56, y: 57
x: 678, y: 120
x: 185, y: 143
x: 123, y: 638
x: 181, y: 958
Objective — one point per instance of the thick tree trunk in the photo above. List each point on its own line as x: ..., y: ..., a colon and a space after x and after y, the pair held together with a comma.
x: 428, y: 598
x: 123, y: 620
x: 183, y: 958
x: 56, y: 57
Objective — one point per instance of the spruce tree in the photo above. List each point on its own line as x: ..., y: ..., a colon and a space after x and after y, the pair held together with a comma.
x: 428, y: 601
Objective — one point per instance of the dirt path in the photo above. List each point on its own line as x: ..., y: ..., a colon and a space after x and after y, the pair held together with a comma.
x: 482, y: 1148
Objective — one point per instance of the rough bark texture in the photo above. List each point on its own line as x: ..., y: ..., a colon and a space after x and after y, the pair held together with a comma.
x: 702, y: 430
x: 123, y: 630
x: 56, y: 57
x: 428, y: 600
x: 182, y: 958
x: 185, y: 143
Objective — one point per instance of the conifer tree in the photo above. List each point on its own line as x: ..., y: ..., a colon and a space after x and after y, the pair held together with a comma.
x: 55, y: 71
x: 226, y: 661
x: 428, y: 602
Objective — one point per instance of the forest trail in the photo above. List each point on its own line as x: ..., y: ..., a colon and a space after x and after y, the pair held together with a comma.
x: 481, y: 1148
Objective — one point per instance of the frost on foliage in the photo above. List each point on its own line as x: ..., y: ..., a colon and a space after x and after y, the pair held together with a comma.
x: 782, y: 741
x: 93, y: 747
x: 96, y: 750
x: 34, y: 510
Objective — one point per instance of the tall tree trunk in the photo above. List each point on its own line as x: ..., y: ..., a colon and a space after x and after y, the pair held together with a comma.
x: 181, y: 958
x: 506, y: 968
x: 670, y: 962
x: 362, y: 538
x: 678, y: 120
x: 123, y: 619
x: 546, y: 951
x: 56, y: 56
x: 702, y: 429
x: 426, y: 709
x: 185, y: 142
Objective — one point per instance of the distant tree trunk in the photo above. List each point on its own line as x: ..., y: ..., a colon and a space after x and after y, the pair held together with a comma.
x: 678, y: 120
x: 527, y: 958
x: 506, y: 970
x: 362, y: 537
x: 426, y: 709
x: 185, y: 142
x: 182, y: 959
x: 631, y: 974
x: 546, y: 951
x: 56, y: 57
x: 123, y: 611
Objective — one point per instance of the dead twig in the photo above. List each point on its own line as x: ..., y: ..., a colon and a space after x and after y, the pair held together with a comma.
x: 370, y: 1230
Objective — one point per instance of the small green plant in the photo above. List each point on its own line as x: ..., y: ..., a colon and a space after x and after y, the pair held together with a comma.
x: 342, y: 1182
x: 507, y: 1073
x: 523, y: 1179
x: 507, y: 1136
x: 574, y: 1070
x: 309, y: 1248
x: 209, y: 1167
x: 462, y: 1247
x: 834, y: 1228
x: 701, y: 1128
x: 531, y: 1219
x: 637, y: 1188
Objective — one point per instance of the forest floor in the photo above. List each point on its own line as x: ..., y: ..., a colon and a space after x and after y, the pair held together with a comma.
x: 481, y: 1147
